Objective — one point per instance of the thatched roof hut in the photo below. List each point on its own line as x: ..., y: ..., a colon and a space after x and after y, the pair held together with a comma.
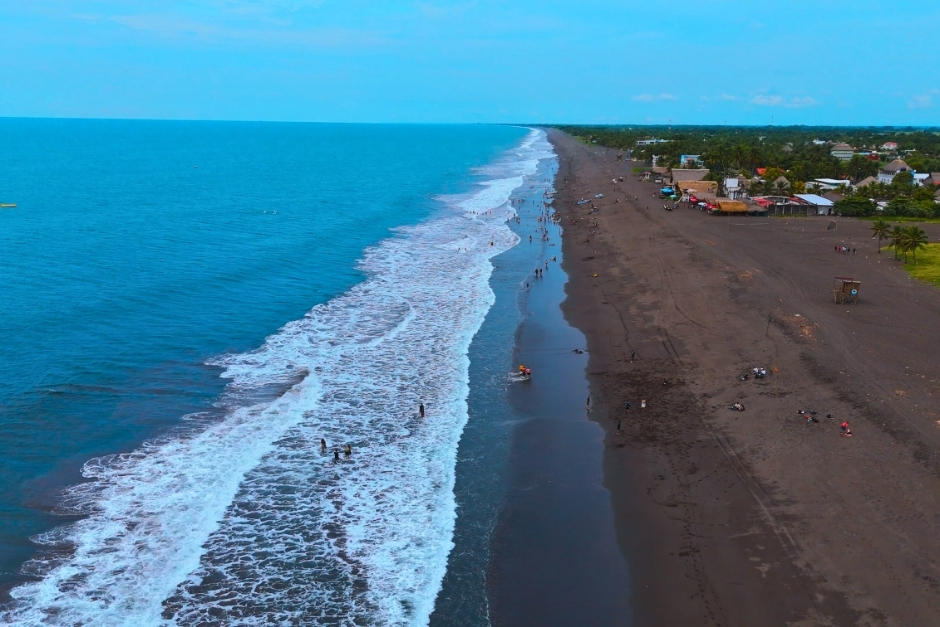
x: 726, y: 205
x: 699, y: 187
x: 898, y: 165
x: 688, y: 174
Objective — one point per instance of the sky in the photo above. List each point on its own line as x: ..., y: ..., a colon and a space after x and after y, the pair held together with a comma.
x: 523, y: 61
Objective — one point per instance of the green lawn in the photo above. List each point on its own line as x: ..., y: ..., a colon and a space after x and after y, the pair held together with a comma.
x: 928, y: 265
x: 902, y: 219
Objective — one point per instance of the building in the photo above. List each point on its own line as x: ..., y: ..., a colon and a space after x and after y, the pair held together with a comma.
x: 889, y: 146
x: 921, y: 178
x: 833, y: 196
x: 781, y: 205
x: 887, y: 173
x: 868, y: 180
x: 841, y: 151
x: 827, y: 184
x: 650, y: 142
x: 733, y: 188
x: 781, y: 183
x: 822, y: 206
x: 685, y: 160
x: 726, y: 206
x: 702, y: 189
x: 688, y: 174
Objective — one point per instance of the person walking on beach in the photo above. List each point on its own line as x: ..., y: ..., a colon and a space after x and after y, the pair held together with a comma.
x: 846, y: 429
x: 421, y: 409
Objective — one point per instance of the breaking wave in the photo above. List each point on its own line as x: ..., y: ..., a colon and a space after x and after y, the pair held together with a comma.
x: 243, y: 517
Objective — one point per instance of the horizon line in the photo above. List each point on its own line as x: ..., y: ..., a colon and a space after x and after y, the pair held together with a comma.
x: 452, y: 123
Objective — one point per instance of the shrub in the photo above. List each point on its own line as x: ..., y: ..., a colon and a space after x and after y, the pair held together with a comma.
x: 854, y: 206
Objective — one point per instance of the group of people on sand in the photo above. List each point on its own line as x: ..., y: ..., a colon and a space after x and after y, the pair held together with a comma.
x: 809, y: 416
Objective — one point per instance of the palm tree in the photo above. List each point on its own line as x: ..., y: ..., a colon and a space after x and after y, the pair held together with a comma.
x: 912, y: 239
x: 895, y: 236
x: 880, y: 230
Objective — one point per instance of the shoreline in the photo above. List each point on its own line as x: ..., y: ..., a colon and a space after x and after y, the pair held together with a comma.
x: 555, y: 558
x: 759, y: 517
x: 534, y: 539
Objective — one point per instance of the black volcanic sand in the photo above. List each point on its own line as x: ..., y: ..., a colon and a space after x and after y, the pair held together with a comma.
x: 555, y: 558
x: 754, y: 517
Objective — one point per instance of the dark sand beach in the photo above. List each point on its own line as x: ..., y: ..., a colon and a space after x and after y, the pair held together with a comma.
x: 555, y: 557
x: 756, y: 517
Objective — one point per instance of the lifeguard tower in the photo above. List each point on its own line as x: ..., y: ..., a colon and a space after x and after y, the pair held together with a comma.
x: 845, y: 290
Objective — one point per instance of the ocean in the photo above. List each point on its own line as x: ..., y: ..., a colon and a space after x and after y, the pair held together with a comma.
x: 187, y: 308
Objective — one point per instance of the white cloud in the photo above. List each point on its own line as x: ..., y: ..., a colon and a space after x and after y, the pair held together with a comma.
x: 766, y: 101
x: 801, y: 101
x: 177, y: 27
x: 653, y: 97
x: 723, y: 96
x: 774, y: 100
x: 923, y: 101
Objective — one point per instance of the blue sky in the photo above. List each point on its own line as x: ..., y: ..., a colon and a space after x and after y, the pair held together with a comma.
x: 590, y: 61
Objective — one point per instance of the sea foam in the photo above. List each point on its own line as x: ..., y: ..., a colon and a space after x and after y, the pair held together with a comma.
x: 243, y: 519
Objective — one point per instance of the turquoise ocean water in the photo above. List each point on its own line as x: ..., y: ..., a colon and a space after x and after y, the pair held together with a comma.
x: 187, y: 308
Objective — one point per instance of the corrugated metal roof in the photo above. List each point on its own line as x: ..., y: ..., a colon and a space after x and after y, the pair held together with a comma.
x: 813, y: 199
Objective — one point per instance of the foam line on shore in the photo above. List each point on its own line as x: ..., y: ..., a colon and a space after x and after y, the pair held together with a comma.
x: 243, y: 514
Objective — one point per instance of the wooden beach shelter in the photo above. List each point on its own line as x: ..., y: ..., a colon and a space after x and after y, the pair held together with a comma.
x: 699, y: 188
x: 845, y: 290
x: 726, y: 205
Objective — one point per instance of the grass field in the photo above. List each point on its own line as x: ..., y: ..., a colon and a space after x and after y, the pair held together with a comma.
x: 902, y: 219
x: 928, y: 265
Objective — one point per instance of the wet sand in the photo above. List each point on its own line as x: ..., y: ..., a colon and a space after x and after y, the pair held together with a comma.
x: 755, y: 517
x: 555, y: 557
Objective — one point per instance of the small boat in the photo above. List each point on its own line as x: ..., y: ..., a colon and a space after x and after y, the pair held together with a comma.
x: 7, y: 205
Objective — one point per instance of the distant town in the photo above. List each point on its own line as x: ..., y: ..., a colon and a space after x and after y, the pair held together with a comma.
x: 787, y: 170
